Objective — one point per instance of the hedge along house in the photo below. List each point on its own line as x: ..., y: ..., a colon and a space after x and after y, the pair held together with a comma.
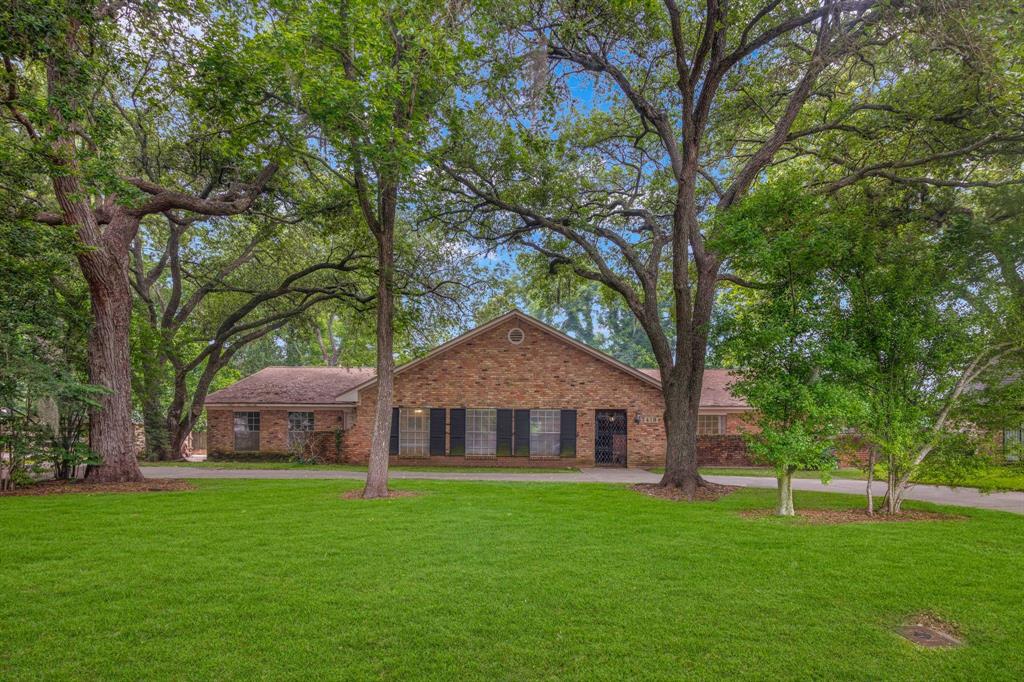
x: 513, y: 391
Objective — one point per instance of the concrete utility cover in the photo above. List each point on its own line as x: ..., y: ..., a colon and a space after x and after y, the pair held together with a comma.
x: 928, y: 637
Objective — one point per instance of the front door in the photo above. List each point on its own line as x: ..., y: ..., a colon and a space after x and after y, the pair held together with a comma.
x: 610, y: 438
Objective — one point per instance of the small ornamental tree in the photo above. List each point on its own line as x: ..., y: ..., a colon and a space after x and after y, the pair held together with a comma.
x: 872, y: 289
x: 800, y: 418
x: 780, y: 335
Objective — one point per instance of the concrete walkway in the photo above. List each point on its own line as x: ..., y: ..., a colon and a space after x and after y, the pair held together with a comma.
x: 959, y: 497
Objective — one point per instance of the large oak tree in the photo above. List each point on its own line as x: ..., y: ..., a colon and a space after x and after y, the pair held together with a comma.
x: 609, y: 136
x: 61, y: 60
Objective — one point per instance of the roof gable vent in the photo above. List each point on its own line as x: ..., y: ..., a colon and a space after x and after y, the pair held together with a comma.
x: 516, y: 335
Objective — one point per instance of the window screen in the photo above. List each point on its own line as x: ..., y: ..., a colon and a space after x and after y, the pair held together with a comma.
x: 710, y: 424
x: 413, y: 431
x: 545, y: 428
x: 300, y: 426
x: 247, y: 431
x: 481, y: 432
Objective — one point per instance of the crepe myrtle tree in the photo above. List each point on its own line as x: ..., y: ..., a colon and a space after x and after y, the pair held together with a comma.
x: 878, y: 291
x: 59, y: 59
x: 609, y: 136
x: 931, y: 328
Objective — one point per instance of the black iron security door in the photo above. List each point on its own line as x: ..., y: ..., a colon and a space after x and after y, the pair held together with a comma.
x: 610, y: 438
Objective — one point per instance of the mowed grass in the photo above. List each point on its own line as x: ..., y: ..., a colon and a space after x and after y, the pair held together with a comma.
x: 244, y: 579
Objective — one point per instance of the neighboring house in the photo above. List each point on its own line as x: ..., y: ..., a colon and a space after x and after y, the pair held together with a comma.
x: 513, y: 391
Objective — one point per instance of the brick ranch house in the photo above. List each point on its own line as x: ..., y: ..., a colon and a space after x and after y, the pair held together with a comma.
x: 513, y: 391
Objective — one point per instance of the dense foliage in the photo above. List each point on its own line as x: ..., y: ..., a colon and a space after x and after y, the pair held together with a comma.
x: 826, y: 195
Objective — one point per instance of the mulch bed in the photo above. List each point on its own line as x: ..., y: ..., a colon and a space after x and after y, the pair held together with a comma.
x: 840, y: 516
x: 709, y: 492
x: 54, y: 487
x: 357, y: 494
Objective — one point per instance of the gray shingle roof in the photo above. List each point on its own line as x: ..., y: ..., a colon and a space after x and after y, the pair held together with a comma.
x: 292, y: 385
x: 322, y: 385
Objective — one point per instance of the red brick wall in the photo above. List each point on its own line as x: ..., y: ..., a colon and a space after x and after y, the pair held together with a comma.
x: 273, y: 428
x: 489, y: 371
x: 541, y: 372
x: 722, y: 451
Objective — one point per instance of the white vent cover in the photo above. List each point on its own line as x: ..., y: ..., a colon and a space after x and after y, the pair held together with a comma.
x: 516, y: 335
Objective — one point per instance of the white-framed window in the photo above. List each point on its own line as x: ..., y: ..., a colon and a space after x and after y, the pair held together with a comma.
x: 414, y: 431
x: 545, y: 432
x: 300, y: 427
x: 481, y: 431
x: 710, y: 424
x: 1013, y: 444
x: 247, y: 431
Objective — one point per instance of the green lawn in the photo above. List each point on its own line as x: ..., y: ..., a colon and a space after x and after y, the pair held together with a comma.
x: 285, y: 580
x: 356, y: 467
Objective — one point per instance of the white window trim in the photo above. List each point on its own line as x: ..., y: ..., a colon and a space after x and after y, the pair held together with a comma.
x: 299, y: 437
x: 721, y: 424
x: 557, y: 433
x: 402, y: 440
x: 247, y: 430
x: 493, y: 434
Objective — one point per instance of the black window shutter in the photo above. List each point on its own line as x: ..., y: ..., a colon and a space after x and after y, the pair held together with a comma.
x: 458, y: 436
x: 567, y: 435
x: 393, y: 449
x: 437, y: 431
x: 522, y: 435
x: 504, y: 433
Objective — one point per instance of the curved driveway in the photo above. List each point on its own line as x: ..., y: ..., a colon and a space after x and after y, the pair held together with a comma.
x: 960, y: 497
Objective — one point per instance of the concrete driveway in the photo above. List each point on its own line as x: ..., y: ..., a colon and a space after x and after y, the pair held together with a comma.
x: 958, y: 497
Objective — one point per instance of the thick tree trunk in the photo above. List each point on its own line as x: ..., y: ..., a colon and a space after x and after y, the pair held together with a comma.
x: 785, y: 502
x: 377, y: 472
x: 104, y: 263
x: 681, y: 436
x: 110, y: 424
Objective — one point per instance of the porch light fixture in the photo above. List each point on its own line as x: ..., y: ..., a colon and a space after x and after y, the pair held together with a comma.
x: 636, y: 418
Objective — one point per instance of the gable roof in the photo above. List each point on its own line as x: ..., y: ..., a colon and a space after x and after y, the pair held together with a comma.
x: 292, y: 386
x: 337, y: 386
x: 653, y: 380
